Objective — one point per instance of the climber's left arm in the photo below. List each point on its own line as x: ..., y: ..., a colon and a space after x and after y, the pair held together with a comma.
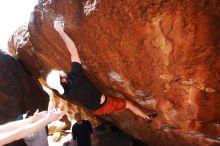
x: 68, y: 41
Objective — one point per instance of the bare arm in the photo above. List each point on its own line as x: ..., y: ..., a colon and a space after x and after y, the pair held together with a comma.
x: 8, y: 137
x: 25, y: 130
x: 68, y: 41
x: 16, y: 124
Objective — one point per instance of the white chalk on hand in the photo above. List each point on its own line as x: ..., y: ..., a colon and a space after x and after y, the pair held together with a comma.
x: 60, y: 19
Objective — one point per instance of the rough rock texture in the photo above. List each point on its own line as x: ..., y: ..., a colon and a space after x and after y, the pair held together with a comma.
x: 20, y: 47
x: 163, y: 55
x: 70, y: 109
x: 19, y: 91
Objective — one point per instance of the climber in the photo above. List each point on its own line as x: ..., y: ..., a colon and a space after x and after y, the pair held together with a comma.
x: 77, y: 87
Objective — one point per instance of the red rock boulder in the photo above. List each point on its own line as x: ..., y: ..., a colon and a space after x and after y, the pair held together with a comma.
x: 162, y: 55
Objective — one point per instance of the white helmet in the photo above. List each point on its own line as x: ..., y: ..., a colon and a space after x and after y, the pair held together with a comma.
x: 53, y: 81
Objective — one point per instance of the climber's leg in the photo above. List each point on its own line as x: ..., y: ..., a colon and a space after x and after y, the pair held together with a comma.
x: 118, y: 104
x: 110, y: 105
x: 138, y: 111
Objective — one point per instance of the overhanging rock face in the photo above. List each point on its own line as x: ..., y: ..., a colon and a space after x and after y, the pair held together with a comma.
x: 162, y: 55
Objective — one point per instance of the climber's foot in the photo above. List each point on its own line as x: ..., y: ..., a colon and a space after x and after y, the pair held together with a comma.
x: 152, y: 116
x: 148, y: 119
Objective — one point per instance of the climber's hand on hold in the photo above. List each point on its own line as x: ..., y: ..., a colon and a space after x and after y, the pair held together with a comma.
x: 58, y: 26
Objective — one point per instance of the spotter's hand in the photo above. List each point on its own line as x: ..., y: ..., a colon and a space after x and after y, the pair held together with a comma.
x: 54, y: 115
x: 38, y: 115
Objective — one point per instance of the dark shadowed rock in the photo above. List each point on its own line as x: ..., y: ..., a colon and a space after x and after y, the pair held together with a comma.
x: 110, y: 136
